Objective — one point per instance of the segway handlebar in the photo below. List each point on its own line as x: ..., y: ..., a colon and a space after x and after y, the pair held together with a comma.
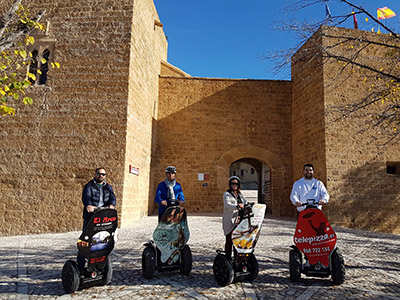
x: 102, y: 208
x: 311, y: 202
x: 246, y: 211
x: 172, y: 202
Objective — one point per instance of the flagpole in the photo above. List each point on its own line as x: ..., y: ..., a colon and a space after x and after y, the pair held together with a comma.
x: 328, y: 15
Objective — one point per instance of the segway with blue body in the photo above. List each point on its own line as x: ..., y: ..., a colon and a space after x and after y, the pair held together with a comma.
x: 315, y: 252
x: 244, y: 266
x: 94, y: 244
x: 169, y: 250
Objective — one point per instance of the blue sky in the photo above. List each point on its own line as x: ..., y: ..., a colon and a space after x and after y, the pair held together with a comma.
x: 229, y: 38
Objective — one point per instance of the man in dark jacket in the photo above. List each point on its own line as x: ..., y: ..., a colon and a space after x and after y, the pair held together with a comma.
x: 96, y: 193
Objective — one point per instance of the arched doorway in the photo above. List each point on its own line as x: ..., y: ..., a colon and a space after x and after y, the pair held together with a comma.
x: 255, y: 176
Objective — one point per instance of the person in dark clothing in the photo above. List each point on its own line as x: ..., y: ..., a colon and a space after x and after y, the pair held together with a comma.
x: 96, y: 193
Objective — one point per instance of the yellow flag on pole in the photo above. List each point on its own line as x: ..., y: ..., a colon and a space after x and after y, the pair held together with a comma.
x: 385, y: 13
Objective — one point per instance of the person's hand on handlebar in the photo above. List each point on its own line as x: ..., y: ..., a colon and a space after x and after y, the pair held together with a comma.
x: 164, y: 202
x: 241, y: 205
x: 111, y: 206
x: 298, y: 204
x: 321, y: 202
x: 181, y: 203
x: 90, y: 208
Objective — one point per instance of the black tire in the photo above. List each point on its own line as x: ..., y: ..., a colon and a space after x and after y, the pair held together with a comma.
x: 338, y: 268
x: 294, y: 265
x: 223, y: 270
x: 70, y: 276
x: 186, y: 260
x: 148, y: 262
x: 107, y: 272
x: 252, y: 267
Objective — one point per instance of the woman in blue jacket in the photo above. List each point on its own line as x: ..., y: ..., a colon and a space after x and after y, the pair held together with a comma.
x: 168, y: 190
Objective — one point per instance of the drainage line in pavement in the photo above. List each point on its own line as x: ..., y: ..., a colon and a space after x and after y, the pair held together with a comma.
x: 309, y: 292
x: 249, y: 292
x: 22, y: 272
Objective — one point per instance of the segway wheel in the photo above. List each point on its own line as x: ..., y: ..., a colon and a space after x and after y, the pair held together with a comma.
x: 294, y: 265
x: 338, y: 268
x: 70, y: 276
x: 223, y: 270
x: 252, y: 267
x: 107, y: 272
x: 148, y: 262
x: 186, y: 260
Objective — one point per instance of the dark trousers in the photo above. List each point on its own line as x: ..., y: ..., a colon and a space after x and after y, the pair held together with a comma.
x: 80, y: 259
x: 228, y: 245
x: 160, y: 216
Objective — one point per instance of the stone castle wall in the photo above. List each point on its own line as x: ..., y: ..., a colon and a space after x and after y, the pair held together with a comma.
x: 308, y: 123
x: 204, y: 125
x: 349, y: 159
x: 148, y: 48
x: 364, y: 196
x: 85, y: 116
x: 108, y: 106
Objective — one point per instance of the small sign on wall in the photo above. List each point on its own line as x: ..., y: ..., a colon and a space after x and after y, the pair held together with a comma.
x: 133, y: 170
x: 203, y: 176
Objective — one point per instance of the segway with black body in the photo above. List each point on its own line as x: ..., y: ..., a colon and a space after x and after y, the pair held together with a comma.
x: 94, y: 244
x: 244, y: 266
x: 315, y: 252
x: 169, y: 250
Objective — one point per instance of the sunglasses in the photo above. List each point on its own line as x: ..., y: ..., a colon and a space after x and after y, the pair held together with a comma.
x: 101, y: 174
x: 234, y: 183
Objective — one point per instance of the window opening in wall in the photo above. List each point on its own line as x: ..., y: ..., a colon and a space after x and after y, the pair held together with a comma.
x: 33, y: 65
x: 241, y: 172
x: 44, y: 67
x: 393, y: 168
x: 252, y: 171
x: 42, y: 56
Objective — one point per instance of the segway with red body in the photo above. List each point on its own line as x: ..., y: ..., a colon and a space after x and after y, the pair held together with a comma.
x: 95, y: 244
x: 315, y: 252
x: 169, y: 250
x: 244, y: 266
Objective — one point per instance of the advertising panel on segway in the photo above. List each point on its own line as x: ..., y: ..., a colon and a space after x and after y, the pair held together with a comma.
x: 169, y: 250
x: 315, y: 252
x: 94, y: 244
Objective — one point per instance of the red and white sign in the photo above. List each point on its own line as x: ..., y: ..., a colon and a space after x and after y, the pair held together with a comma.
x: 133, y: 170
x: 314, y: 236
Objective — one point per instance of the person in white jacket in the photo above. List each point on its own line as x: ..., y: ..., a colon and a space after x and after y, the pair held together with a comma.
x: 233, y: 201
x: 308, y: 187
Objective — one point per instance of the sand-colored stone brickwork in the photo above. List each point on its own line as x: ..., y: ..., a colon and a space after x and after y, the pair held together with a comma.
x: 116, y: 102
x: 204, y: 125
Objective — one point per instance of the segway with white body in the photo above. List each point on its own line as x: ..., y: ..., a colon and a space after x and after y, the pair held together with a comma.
x: 244, y: 266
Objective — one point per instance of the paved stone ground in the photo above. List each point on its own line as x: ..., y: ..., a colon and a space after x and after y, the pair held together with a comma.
x: 30, y: 266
